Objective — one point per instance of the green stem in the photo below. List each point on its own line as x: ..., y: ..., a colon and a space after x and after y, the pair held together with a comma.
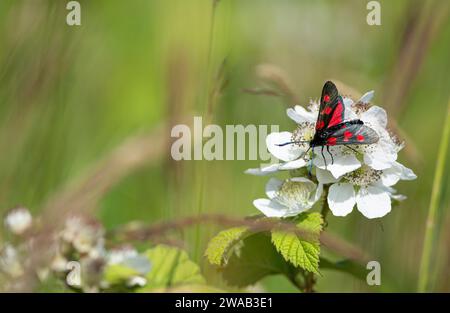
x: 297, y: 281
x: 310, y: 279
x: 430, y: 226
x: 325, y: 207
x: 202, y: 170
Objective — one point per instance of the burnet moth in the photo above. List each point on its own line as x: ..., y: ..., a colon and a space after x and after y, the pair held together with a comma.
x: 332, y: 129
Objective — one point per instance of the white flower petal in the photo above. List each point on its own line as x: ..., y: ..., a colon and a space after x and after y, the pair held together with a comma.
x: 317, y: 195
x: 378, y: 184
x: 391, y: 191
x: 341, y: 199
x: 297, y: 209
x: 389, y: 177
x: 406, y: 173
x: 285, y: 153
x: 373, y: 202
x: 261, y: 171
x: 375, y: 115
x: 292, y: 165
x: 367, y: 97
x: 347, y: 102
x: 300, y: 115
x: 398, y: 197
x: 272, y: 187
x: 314, y: 195
x: 349, y: 113
x: 294, y: 115
x: 270, y: 208
x: 393, y: 174
x: 302, y: 180
x: 381, y: 155
x: 318, y: 158
x: 343, y: 163
x: 324, y: 176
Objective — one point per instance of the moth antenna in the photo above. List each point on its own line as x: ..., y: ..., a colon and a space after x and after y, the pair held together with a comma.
x: 291, y: 142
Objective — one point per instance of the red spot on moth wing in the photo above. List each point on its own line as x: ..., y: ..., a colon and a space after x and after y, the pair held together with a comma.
x: 347, y: 135
x: 336, y: 118
x: 320, y: 124
x: 327, y: 110
x: 360, y: 138
x: 326, y: 98
x: 331, y: 141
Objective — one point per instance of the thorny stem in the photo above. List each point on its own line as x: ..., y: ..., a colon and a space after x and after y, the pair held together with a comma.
x: 157, y: 231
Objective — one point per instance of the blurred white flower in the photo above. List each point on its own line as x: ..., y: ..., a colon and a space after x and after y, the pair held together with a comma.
x: 82, y: 234
x: 371, y: 190
x: 18, y: 220
x: 10, y: 261
x: 128, y: 256
x: 120, y: 254
x: 289, y: 197
x: 89, y: 274
x: 136, y: 281
x: 58, y: 263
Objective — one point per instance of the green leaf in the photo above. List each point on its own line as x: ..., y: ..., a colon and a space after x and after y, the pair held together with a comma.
x: 191, y: 289
x: 254, y: 259
x: 301, y: 252
x: 345, y: 266
x: 171, y: 267
x: 220, y: 246
x: 117, y: 274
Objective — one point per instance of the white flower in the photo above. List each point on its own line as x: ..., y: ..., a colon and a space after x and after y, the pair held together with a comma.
x: 136, y: 281
x: 273, y: 168
x: 287, y: 152
x: 118, y: 255
x: 342, y: 160
x: 58, y: 263
x: 18, y: 221
x: 339, y: 161
x: 129, y: 257
x: 289, y: 197
x: 293, y: 155
x: 382, y: 154
x: 366, y: 187
x: 10, y: 261
x: 361, y: 175
x: 83, y: 235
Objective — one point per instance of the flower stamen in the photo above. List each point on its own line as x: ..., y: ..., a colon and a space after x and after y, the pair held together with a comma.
x: 292, y: 193
x: 363, y: 176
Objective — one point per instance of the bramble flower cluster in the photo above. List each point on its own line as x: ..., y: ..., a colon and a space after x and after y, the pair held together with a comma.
x: 78, y: 255
x: 361, y: 175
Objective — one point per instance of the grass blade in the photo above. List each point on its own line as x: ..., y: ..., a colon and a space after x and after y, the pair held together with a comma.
x: 430, y: 226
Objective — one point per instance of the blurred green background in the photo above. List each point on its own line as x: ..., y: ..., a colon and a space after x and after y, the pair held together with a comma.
x: 70, y: 94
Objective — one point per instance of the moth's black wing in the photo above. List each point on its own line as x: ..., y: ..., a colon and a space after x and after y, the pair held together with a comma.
x: 331, y: 110
x: 353, y: 134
